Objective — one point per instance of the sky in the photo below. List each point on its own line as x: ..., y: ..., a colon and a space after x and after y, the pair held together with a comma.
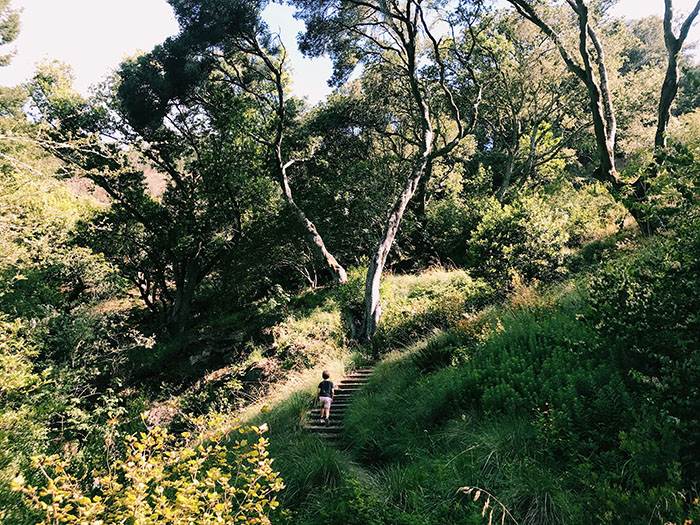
x: 93, y: 36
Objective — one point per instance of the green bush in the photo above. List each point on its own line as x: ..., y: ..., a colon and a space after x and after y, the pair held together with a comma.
x: 221, y: 477
x: 526, y: 238
x: 590, y: 211
x: 414, y: 306
x: 647, y: 307
x: 440, y: 350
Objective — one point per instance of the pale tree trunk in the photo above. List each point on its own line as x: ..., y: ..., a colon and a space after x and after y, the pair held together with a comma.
x: 669, y: 90
x: 510, y: 165
x: 604, y: 125
x: 373, y: 310
x: 425, y: 155
x: 313, y: 237
x: 670, y: 85
x: 599, y: 98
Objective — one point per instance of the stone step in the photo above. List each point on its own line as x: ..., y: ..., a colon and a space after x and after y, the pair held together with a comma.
x: 346, y: 388
x: 331, y: 428
x: 328, y: 437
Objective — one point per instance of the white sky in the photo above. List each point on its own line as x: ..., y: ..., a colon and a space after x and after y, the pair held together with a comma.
x: 94, y: 35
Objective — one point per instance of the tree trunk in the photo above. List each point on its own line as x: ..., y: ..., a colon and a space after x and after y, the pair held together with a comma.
x: 185, y: 286
x: 669, y: 89
x: 373, y: 309
x: 668, y: 94
x: 510, y: 166
x: 314, y: 238
x: 603, y: 119
x: 670, y: 85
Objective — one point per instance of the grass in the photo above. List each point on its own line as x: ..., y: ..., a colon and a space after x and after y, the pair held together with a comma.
x: 519, y: 399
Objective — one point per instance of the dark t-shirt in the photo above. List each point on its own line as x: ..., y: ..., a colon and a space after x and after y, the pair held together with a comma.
x: 326, y: 388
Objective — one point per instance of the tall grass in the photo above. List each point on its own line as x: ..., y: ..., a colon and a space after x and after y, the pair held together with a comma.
x: 521, y: 399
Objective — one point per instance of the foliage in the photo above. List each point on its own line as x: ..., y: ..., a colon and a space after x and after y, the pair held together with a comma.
x: 183, y: 191
x: 303, y: 338
x: 9, y: 28
x: 525, y: 239
x: 531, y: 407
x: 224, y: 476
x: 672, y: 179
x: 647, y: 308
x: 571, y: 402
x: 415, y: 306
x: 16, y: 355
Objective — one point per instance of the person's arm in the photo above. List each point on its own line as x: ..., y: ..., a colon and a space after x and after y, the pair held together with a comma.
x: 319, y: 392
x: 332, y: 391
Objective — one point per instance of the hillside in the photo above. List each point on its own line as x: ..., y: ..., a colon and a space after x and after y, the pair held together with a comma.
x: 526, y: 401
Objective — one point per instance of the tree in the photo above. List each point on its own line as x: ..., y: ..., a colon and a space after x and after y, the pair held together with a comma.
x: 529, y: 112
x: 600, y: 99
x: 9, y: 28
x: 670, y: 85
x: 396, y: 37
x: 591, y: 53
x: 166, y: 242
x: 249, y: 61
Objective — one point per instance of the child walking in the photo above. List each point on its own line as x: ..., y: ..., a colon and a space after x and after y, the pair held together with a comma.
x: 326, y: 391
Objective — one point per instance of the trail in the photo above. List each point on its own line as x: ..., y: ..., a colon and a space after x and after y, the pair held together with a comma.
x: 344, y: 390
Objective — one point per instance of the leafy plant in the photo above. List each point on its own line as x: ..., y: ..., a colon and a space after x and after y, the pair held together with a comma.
x: 225, y: 476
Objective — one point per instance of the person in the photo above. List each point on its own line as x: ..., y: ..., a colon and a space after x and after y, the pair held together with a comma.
x: 326, y: 391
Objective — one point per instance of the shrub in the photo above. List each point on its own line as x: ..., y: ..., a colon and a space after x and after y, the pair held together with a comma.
x: 306, y: 336
x: 526, y: 238
x: 646, y: 308
x: 590, y: 211
x: 216, y: 479
x: 440, y: 350
x: 415, y: 306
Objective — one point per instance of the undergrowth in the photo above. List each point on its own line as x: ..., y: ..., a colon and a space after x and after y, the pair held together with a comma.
x: 522, y: 399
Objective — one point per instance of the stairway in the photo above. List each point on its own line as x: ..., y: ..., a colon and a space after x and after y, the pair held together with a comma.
x: 344, y: 390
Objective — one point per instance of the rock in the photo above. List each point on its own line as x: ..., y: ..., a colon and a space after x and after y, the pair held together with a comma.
x: 260, y: 372
x: 161, y: 414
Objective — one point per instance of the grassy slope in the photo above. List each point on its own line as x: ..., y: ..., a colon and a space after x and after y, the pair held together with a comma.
x: 517, y: 399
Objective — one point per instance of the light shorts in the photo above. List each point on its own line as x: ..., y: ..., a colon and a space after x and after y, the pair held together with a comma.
x: 325, y: 402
